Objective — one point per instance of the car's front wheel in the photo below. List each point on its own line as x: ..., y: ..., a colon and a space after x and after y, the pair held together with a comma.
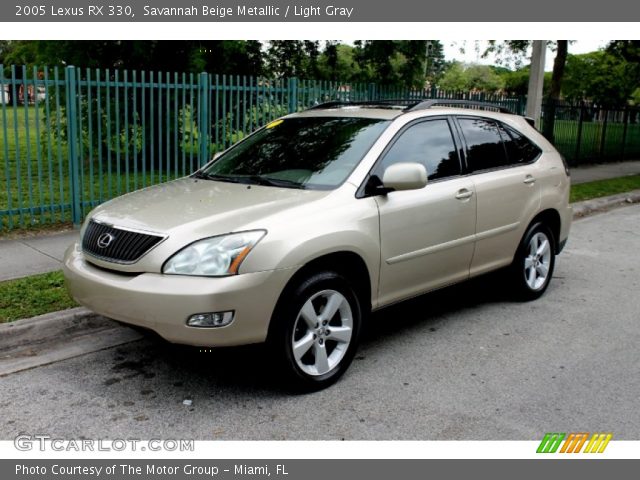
x: 316, y: 330
x: 533, y: 264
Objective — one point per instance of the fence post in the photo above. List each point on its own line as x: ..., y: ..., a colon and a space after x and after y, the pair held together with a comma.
x: 293, y: 94
x: 579, y: 134
x: 603, y: 139
x: 371, y: 92
x: 625, y: 120
x: 72, y: 137
x: 203, y: 116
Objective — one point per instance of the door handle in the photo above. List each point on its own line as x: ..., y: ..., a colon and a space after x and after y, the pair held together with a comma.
x: 529, y: 179
x: 463, y: 194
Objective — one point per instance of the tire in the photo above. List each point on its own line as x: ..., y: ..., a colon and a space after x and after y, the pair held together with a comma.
x: 533, y: 264
x: 312, y: 350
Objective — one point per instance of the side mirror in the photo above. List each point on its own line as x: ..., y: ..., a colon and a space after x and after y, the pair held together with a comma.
x: 404, y: 176
x: 216, y: 155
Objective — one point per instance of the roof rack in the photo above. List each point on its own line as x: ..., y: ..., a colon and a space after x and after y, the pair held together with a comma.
x: 426, y: 104
x: 400, y: 102
x: 412, y: 104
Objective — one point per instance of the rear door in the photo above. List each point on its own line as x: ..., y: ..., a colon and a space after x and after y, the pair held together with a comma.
x: 426, y: 235
x: 505, y: 183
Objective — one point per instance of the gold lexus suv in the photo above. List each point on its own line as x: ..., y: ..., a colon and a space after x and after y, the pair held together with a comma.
x: 295, y: 234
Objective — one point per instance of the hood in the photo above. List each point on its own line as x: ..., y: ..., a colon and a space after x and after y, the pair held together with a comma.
x: 211, y: 207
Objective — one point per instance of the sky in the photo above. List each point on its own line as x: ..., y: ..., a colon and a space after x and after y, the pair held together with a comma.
x: 473, y: 50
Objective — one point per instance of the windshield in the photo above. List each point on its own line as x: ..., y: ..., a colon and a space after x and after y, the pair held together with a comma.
x: 302, y: 152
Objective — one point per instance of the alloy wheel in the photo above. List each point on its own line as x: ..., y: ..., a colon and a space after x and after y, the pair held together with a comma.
x: 322, y: 332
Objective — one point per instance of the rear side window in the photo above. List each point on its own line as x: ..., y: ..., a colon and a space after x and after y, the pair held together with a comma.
x: 519, y: 148
x: 484, y: 144
x: 429, y: 143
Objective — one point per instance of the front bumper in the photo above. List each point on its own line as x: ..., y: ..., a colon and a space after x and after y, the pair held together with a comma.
x: 164, y: 302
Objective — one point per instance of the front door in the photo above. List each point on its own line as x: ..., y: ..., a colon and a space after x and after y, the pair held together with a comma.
x: 426, y: 235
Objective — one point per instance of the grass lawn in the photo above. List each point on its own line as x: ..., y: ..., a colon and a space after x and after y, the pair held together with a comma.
x: 566, y: 136
x: 35, y: 295
x: 602, y: 188
x: 35, y: 176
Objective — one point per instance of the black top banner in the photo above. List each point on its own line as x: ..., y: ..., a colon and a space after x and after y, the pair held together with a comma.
x: 318, y: 11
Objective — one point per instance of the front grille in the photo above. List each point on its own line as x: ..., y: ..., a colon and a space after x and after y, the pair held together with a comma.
x: 115, y: 244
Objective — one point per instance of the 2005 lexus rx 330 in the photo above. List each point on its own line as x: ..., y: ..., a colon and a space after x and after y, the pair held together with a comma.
x: 295, y: 234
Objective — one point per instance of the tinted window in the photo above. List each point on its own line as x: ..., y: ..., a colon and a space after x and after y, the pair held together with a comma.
x: 519, y: 148
x: 484, y: 144
x: 429, y: 143
x: 302, y: 152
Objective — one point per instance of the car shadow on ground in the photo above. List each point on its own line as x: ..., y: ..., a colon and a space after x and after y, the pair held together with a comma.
x: 403, y: 317
x: 247, y: 369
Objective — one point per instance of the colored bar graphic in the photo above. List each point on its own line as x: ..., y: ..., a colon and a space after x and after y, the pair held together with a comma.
x: 574, y: 442
x: 550, y: 442
x: 598, y: 443
x: 581, y: 443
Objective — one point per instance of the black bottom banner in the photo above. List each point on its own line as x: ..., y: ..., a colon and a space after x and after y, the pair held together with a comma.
x: 316, y: 469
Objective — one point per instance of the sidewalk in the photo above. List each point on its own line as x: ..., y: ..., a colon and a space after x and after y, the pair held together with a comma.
x: 43, y: 253
x: 33, y: 255
x: 591, y: 173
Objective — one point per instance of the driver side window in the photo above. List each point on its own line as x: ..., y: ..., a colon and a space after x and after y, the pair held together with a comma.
x: 429, y: 143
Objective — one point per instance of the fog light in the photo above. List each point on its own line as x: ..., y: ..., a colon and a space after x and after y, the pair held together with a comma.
x: 210, y: 320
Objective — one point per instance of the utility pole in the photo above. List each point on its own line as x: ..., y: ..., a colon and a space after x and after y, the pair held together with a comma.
x: 536, y: 81
x: 427, y: 54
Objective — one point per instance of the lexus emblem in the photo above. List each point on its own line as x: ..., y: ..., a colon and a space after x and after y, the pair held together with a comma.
x: 105, y: 240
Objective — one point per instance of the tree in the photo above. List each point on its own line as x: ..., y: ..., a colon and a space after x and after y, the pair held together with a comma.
x: 399, y: 62
x: 338, y: 62
x: 413, y: 65
x: 484, y: 78
x: 555, y: 89
x: 377, y: 55
x: 516, y: 82
x: 218, y: 56
x: 293, y: 58
x: 627, y: 49
x: 471, y: 77
x: 518, y: 49
x: 603, y: 77
x: 454, y: 77
x: 436, y: 63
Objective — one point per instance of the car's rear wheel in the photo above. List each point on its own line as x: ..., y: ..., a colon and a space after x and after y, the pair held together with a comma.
x: 534, y: 262
x: 316, y: 331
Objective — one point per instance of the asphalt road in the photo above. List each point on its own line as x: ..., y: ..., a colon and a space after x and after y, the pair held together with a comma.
x: 465, y: 363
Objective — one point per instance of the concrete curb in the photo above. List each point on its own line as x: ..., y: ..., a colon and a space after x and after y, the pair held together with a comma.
x: 603, y: 204
x: 56, y: 336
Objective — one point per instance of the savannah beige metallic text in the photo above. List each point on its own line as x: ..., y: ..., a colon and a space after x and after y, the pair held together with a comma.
x: 295, y: 234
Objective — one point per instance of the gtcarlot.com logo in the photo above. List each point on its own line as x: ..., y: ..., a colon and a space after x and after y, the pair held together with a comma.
x: 574, y: 442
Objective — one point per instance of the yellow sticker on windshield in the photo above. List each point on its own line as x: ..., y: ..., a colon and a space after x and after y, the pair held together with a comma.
x: 275, y: 123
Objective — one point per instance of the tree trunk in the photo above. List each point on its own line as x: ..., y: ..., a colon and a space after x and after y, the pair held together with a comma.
x: 554, y: 92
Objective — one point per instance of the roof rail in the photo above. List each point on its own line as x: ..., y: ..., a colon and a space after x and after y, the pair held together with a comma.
x: 426, y: 104
x: 400, y: 102
x: 413, y: 104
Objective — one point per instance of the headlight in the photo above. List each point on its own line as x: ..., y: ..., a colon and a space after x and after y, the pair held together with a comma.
x: 215, y: 256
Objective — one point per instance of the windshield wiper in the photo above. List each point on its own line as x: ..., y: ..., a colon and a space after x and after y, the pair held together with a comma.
x: 249, y: 179
x: 274, y: 182
x: 212, y: 176
x: 200, y: 174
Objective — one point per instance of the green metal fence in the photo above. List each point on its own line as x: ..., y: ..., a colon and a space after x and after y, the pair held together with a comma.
x: 73, y: 138
x: 587, y: 133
